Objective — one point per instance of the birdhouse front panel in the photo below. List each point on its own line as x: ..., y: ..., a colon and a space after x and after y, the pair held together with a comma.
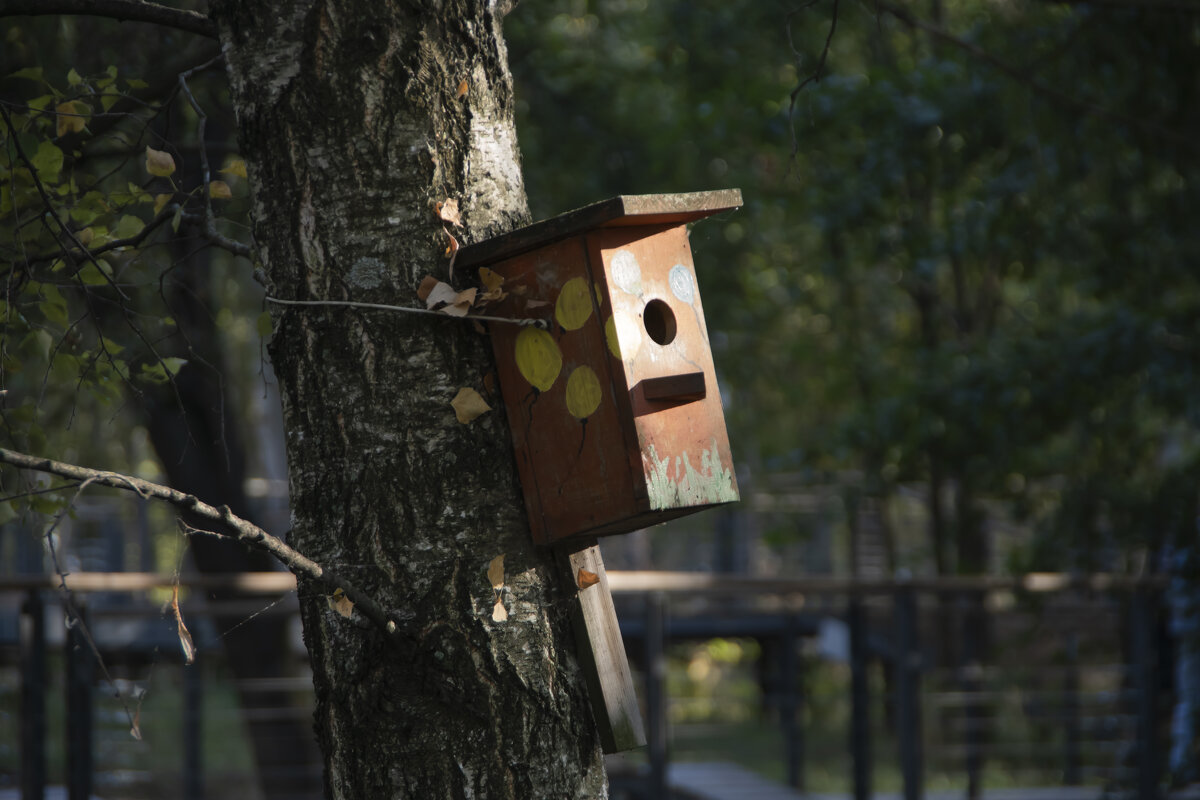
x: 659, y: 336
x: 614, y: 407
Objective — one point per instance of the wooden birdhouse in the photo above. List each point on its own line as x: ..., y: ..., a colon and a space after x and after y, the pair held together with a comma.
x: 613, y: 401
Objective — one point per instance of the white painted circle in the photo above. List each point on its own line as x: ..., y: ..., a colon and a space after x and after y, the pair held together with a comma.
x: 626, y: 273
x: 681, y: 282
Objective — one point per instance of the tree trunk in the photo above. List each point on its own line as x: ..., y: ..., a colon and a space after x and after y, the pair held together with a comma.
x: 353, y: 123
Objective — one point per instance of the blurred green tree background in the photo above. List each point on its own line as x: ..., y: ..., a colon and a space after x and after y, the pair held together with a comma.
x: 967, y: 261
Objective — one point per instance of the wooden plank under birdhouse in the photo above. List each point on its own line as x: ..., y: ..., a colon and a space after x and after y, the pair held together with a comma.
x: 623, y: 210
x: 601, y: 652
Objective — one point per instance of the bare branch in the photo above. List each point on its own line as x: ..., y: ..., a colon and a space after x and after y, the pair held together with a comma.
x: 210, y: 223
x: 243, y: 531
x: 122, y: 10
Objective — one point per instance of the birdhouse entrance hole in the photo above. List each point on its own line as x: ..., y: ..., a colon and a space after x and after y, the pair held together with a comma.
x: 659, y: 320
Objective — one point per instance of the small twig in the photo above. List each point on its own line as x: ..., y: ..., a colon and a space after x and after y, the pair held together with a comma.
x: 210, y: 222
x: 816, y: 75
x: 242, y: 531
x: 535, y: 323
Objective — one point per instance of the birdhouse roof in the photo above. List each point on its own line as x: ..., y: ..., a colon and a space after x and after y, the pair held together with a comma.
x: 621, y: 211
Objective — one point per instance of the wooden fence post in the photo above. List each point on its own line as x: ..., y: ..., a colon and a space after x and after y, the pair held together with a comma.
x: 33, y: 697
x: 908, y: 692
x: 80, y: 675
x: 791, y: 705
x: 193, y: 731
x: 1074, y: 733
x: 656, y: 692
x: 860, y: 701
x: 1143, y: 620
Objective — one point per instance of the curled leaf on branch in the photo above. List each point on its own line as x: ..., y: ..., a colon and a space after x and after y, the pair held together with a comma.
x: 159, y: 163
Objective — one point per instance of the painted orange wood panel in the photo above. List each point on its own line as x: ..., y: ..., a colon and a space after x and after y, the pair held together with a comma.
x: 659, y: 324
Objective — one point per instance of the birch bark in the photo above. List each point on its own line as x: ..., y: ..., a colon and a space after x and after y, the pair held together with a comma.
x: 352, y: 125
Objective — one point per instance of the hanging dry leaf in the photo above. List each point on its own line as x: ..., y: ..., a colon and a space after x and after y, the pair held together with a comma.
x: 427, y: 285
x: 496, y: 572
x: 536, y: 303
x: 462, y: 302
x: 586, y: 579
x: 492, y: 285
x: 451, y: 250
x: 219, y: 190
x: 463, y: 88
x: 447, y: 210
x: 159, y: 163
x: 499, y: 612
x: 441, y: 294
x: 340, y: 603
x: 72, y: 117
x: 469, y: 404
x: 135, y: 730
x: 185, y: 638
x: 489, y: 383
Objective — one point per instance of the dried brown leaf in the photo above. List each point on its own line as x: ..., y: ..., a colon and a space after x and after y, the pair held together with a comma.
x: 448, y: 211
x: 495, y: 572
x: 499, y: 612
x: 427, y: 285
x: 468, y: 404
x: 185, y: 638
x: 586, y: 579
x: 451, y: 250
x: 463, y: 88
x: 340, y: 603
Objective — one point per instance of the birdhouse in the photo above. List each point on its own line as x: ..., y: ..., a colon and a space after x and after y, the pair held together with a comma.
x: 612, y: 397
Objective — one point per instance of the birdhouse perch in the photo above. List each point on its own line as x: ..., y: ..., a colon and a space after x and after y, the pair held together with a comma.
x: 614, y: 407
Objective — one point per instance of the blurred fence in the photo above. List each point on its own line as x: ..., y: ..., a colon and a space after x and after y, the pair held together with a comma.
x: 1069, y: 676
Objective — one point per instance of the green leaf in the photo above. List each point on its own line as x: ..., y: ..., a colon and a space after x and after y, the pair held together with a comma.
x: 91, y: 276
x: 136, y: 83
x: 173, y: 365
x: 7, y: 513
x: 108, y: 100
x: 31, y: 73
x: 48, y: 161
x: 54, y: 305
x: 128, y: 227
x: 73, y: 77
x: 264, y: 325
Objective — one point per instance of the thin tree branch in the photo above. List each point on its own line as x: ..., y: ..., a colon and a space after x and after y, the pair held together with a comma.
x: 1049, y: 92
x: 210, y: 223
x: 243, y: 531
x: 121, y: 10
x: 816, y: 75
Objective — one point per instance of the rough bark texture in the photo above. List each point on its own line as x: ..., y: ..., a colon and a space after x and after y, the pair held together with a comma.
x: 352, y: 126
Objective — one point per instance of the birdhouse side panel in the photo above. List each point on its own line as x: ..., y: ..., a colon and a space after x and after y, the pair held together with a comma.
x: 659, y: 341
x: 562, y: 395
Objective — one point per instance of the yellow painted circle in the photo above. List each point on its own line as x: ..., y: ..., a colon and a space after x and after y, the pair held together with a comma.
x: 574, y: 304
x: 538, y: 357
x: 610, y: 336
x: 583, y: 392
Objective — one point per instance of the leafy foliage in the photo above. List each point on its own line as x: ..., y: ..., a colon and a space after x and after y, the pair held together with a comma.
x: 965, y: 258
